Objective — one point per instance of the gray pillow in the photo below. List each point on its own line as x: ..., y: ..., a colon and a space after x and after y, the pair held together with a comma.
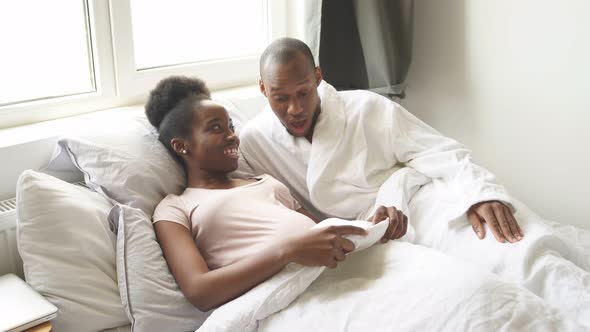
x: 149, y: 292
x: 134, y: 169
x: 68, y: 251
x: 126, y: 162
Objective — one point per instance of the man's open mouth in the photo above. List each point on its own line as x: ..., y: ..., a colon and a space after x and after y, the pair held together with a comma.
x: 298, y: 126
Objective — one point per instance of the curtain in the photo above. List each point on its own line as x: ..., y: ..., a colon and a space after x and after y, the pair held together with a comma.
x: 366, y: 44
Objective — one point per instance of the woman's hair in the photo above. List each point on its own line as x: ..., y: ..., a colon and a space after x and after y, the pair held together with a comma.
x: 170, y: 107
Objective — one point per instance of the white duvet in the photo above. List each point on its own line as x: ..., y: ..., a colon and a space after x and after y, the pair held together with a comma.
x: 401, y: 286
x: 404, y: 287
x: 392, y: 287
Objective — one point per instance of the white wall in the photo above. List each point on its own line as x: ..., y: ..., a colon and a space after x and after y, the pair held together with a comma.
x: 511, y: 80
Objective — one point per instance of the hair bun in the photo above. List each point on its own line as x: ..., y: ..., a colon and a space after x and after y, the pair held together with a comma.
x: 169, y: 92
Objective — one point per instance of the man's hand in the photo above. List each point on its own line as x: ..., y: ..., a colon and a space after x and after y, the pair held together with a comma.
x: 398, y: 222
x: 499, y: 219
x: 321, y: 246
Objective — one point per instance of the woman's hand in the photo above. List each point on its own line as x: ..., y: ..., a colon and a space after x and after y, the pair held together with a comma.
x: 322, y: 246
x: 398, y: 222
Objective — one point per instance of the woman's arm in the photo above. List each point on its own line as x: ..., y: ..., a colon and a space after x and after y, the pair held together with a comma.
x: 207, y: 289
x: 204, y: 288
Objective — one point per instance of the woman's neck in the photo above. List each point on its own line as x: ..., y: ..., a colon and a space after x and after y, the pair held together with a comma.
x: 208, y: 180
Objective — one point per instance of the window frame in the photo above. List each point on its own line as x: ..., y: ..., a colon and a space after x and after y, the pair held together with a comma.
x: 118, y: 83
x: 102, y: 62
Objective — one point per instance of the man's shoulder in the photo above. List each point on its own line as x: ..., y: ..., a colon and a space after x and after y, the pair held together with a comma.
x: 365, y: 94
x: 366, y: 103
x: 258, y: 128
x: 258, y: 123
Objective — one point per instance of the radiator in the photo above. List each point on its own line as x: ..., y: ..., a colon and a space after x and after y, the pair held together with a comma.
x: 10, y: 261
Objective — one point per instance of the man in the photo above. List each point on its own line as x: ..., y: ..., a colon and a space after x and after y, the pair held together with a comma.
x: 356, y: 154
x: 290, y: 81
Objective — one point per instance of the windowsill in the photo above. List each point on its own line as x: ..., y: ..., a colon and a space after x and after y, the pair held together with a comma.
x: 78, y: 124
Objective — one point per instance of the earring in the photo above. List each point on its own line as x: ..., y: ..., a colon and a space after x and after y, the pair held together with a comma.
x: 183, y: 151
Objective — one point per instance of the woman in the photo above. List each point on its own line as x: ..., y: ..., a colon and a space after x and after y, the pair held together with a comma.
x: 223, y: 236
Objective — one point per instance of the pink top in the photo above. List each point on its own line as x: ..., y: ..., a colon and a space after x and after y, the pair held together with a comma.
x: 231, y: 224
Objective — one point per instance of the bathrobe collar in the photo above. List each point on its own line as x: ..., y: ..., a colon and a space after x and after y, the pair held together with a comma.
x: 329, y: 129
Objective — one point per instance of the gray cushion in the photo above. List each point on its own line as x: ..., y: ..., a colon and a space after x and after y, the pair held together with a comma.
x: 149, y: 292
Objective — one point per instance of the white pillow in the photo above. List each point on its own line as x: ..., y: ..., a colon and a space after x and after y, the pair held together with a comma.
x: 68, y: 251
x: 152, y: 299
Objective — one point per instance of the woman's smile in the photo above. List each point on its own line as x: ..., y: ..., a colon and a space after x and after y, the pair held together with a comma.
x: 231, y: 151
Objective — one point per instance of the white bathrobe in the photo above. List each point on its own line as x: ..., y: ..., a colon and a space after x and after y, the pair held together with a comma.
x: 368, y: 151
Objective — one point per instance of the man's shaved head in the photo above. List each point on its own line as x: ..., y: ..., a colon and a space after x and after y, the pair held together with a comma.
x: 282, y: 51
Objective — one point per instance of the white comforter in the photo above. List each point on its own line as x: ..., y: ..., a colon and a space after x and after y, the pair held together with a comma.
x: 393, y: 287
x: 403, y: 287
x: 406, y: 287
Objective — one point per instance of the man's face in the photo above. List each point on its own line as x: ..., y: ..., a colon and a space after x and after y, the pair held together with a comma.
x: 291, y: 90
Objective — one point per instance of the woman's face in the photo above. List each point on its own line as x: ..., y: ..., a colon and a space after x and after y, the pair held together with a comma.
x: 213, y: 146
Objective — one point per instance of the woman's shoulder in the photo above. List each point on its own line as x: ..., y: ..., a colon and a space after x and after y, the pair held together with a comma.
x: 171, y: 201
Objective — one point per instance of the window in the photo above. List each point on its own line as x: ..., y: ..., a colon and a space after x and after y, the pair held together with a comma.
x: 44, y: 57
x: 179, y: 32
x: 68, y: 57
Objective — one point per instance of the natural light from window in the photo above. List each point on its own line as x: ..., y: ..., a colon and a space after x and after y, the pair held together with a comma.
x: 185, y: 31
x: 45, y: 50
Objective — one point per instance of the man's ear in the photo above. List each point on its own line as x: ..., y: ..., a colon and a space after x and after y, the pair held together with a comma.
x: 262, y: 87
x: 318, y: 75
x: 178, y: 145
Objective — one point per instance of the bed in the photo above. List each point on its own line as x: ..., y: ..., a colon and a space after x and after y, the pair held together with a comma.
x: 93, y: 253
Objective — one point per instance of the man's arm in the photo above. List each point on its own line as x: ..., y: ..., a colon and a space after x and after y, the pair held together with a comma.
x: 424, y: 149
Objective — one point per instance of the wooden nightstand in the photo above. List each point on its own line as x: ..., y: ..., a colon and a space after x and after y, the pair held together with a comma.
x: 21, y: 307
x: 45, y: 327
